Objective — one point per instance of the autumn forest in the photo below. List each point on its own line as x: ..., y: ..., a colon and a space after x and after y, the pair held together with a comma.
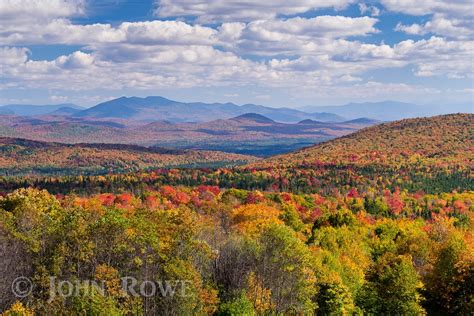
x: 379, y: 222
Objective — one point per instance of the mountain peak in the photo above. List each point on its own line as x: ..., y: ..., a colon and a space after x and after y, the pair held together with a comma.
x: 309, y: 122
x: 65, y: 111
x: 258, y: 118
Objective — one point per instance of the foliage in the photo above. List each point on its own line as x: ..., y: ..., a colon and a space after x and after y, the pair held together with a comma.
x: 344, y: 236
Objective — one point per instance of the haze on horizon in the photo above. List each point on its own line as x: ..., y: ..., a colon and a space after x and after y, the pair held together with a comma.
x: 307, y: 53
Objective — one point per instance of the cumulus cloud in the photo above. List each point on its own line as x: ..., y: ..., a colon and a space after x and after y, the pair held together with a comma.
x: 413, y: 29
x: 452, y: 19
x: 75, y: 60
x: 437, y: 56
x: 246, y: 10
x: 319, y: 35
x: 40, y: 9
x: 249, y: 43
x: 58, y: 31
x: 459, y: 8
x: 327, y: 26
x: 62, y: 31
x: 451, y: 28
x: 369, y: 9
x: 13, y: 56
x: 167, y: 32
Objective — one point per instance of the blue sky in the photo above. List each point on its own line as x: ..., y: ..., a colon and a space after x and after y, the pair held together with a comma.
x: 279, y: 53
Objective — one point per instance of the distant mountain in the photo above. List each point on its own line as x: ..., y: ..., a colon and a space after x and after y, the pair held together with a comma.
x: 6, y: 111
x: 309, y: 122
x: 289, y: 115
x: 65, y: 111
x: 32, y: 110
x: 155, y: 108
x: 254, y: 118
x: 363, y: 120
x: 391, y: 110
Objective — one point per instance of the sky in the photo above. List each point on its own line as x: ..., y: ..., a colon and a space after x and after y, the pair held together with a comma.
x: 279, y: 53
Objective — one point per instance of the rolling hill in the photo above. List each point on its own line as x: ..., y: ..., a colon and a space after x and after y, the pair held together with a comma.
x: 253, y: 117
x: 21, y: 156
x: 439, y: 140
x: 248, y: 133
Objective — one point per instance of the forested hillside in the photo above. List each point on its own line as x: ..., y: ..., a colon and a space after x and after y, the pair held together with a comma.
x: 435, y: 141
x: 20, y: 157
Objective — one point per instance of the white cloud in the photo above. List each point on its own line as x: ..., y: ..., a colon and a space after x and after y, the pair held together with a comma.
x: 56, y: 31
x: 440, y: 25
x: 413, y: 29
x: 59, y: 98
x: 167, y: 32
x: 245, y: 10
x: 296, y: 36
x: 449, y: 53
x: 438, y: 56
x: 297, y: 53
x: 458, y: 8
x: 75, y: 60
x: 326, y: 26
x: 140, y: 66
x: 62, y: 31
x: 40, y: 9
x: 229, y: 32
x: 11, y: 56
x: 372, y: 10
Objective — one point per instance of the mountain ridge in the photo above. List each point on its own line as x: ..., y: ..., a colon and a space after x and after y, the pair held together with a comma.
x: 443, y: 139
x: 390, y: 110
x: 253, y: 117
x: 153, y: 108
x: 158, y: 108
x: 32, y: 110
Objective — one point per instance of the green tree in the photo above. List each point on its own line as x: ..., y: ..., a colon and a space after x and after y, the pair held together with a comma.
x: 392, y: 288
x: 240, y: 305
x: 285, y: 268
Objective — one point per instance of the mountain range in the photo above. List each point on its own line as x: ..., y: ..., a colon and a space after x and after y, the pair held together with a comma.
x: 32, y: 110
x: 156, y: 108
x: 390, y: 110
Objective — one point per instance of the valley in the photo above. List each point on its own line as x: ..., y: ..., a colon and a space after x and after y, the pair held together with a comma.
x: 250, y: 133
